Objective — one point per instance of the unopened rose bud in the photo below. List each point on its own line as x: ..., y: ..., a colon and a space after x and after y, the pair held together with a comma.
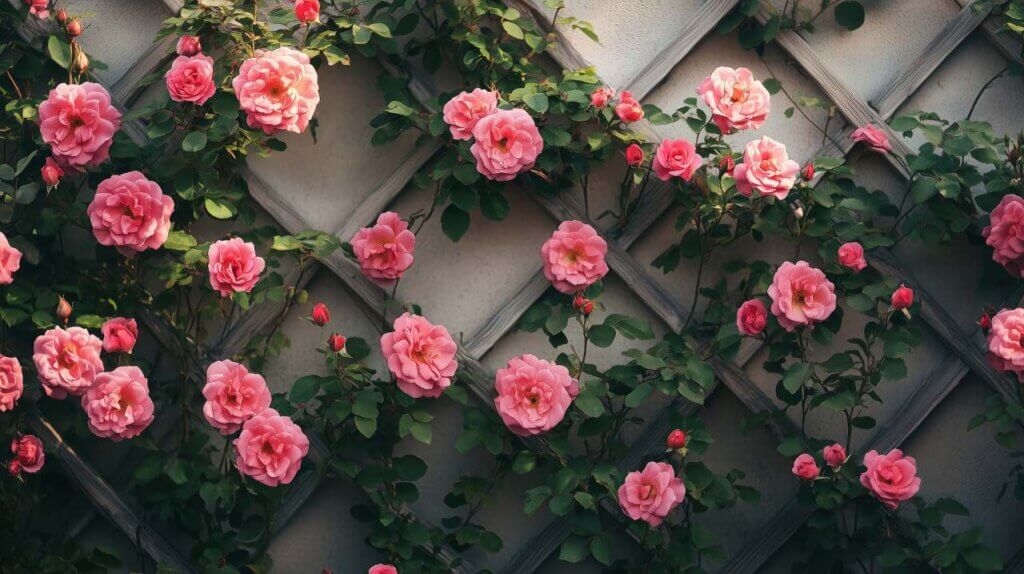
x: 676, y: 439
x: 63, y: 309
x: 51, y: 172
x: 902, y: 298
x: 726, y: 164
x: 74, y: 28
x: 588, y: 307
x: 307, y: 11
x: 808, y: 172
x: 985, y: 322
x: 578, y: 301
x: 337, y: 342
x: 321, y: 315
x: 81, y: 61
x: 14, y: 467
x: 634, y: 155
x: 62, y: 15
x: 835, y: 455
x: 188, y: 46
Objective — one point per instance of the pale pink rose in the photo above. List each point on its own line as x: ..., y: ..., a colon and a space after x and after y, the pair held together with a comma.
x: 1005, y: 234
x: 420, y: 355
x: 652, y: 493
x: 67, y: 360
x: 270, y: 448
x: 277, y: 90
x: 28, y: 450
x: 382, y: 569
x: 78, y: 122
x: 875, y: 138
x: 737, y: 101
x: 119, y: 335
x: 600, y: 97
x: 805, y: 467
x: 385, y: 250
x: 628, y: 109
x: 574, y: 257
x: 676, y: 158
x: 51, y: 172
x: 835, y: 455
x: 851, y: 256
x: 465, y: 110
x: 39, y: 8
x: 118, y: 404
x: 533, y: 394
x: 892, y: 478
x: 767, y: 168
x: 751, y: 318
x: 801, y: 295
x: 188, y: 46
x: 190, y: 79
x: 130, y: 213
x: 1006, y: 341
x: 10, y: 260
x: 12, y: 383
x: 507, y: 144
x: 234, y: 266
x: 233, y: 395
x: 307, y: 11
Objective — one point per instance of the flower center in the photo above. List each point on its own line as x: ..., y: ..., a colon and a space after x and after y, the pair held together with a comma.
x: 68, y: 356
x: 276, y: 88
x: 572, y: 257
x: 647, y: 492
x: 740, y: 92
x: 76, y: 121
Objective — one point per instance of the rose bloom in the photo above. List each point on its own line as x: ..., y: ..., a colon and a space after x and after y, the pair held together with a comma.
x: 628, y: 109
x: 651, y: 494
x: 277, y: 90
x: 270, y: 448
x: 801, y: 295
x: 805, y: 467
x: 118, y: 404
x: 902, y: 297
x: 892, y: 478
x: 873, y: 137
x: 119, y: 335
x: 851, y: 256
x: 234, y: 266
x: 767, y: 168
x: 190, y: 79
x: 78, y: 122
x: 676, y: 158
x: 574, y: 257
x: 1005, y: 234
x: 51, y: 172
x: 737, y: 101
x: 67, y: 360
x: 382, y: 569
x: 307, y: 11
x: 751, y: 318
x: 38, y: 8
x: 28, y: 450
x: 835, y: 455
x: 385, y: 250
x: 1006, y: 341
x: 233, y: 395
x: 533, y: 394
x: 600, y: 97
x: 12, y: 383
x: 10, y: 260
x: 634, y: 155
x: 189, y: 46
x: 507, y: 144
x: 420, y: 355
x: 463, y: 111
x: 130, y: 213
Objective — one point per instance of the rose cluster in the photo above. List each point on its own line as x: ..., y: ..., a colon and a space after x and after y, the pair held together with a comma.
x: 505, y: 142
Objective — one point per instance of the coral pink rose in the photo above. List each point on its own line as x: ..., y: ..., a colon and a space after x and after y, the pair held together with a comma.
x: 902, y: 297
x: 382, y: 569
x: 533, y: 394
x: 1006, y: 341
x: 28, y: 450
x: 751, y: 318
x: 874, y: 137
x: 1005, y: 234
x: 574, y: 257
x: 38, y: 8
x: 835, y: 455
x: 805, y: 467
x: 767, y: 168
x: 130, y: 213
x: 188, y: 46
x: 190, y: 79
x: 634, y: 155
x: 737, y: 101
x: 78, y: 122
x: 118, y: 404
x: 10, y: 260
x: 277, y: 90
x: 12, y: 383
x: 892, y: 478
x: 651, y: 494
x: 307, y: 11
x: 801, y: 295
x: 851, y: 256
x: 507, y: 144
x: 270, y: 448
x: 600, y: 97
x: 676, y: 158
x: 67, y: 361
x: 462, y: 112
x: 119, y: 335
x: 385, y: 250
x: 420, y: 355
x: 234, y: 266
x: 233, y: 395
x: 628, y: 109
x: 51, y: 172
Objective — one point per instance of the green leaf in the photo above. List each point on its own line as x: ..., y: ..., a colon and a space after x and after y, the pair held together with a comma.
x: 286, y: 243
x: 850, y: 14
x: 795, y: 376
x: 193, y: 142
x: 178, y: 240
x: 454, y: 222
x: 410, y: 467
x: 366, y: 427
x: 983, y: 558
x: 60, y: 51
x: 574, y: 549
x: 601, y: 548
x: 219, y: 209
x: 466, y: 173
x: 637, y: 396
x: 512, y: 29
x: 536, y: 102
x: 535, y: 498
x: 589, y: 404
x: 304, y: 389
x: 381, y: 29
x: 602, y: 335
x: 629, y: 327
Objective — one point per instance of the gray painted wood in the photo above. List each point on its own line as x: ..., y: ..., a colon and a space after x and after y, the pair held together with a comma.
x: 1007, y: 45
x: 128, y: 87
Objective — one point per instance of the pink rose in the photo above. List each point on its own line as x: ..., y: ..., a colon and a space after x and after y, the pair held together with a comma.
x: 507, y: 144
x: 634, y: 155
x: 78, y: 122
x: 600, y: 97
x: 805, y: 467
x: 385, y: 250
x: 67, y: 361
x: 234, y: 266
x: 307, y: 11
x: 118, y: 404
x: 1006, y: 341
x: 767, y: 168
x: 420, y: 355
x: 38, y: 8
x: 12, y: 383
x: 189, y: 46
x: 892, y: 478
x: 835, y: 455
x: 851, y: 256
x: 902, y: 297
x: 676, y: 158
x: 465, y: 110
x: 651, y: 494
x: 270, y: 448
x: 751, y: 318
x: 737, y: 101
x: 10, y: 260
x: 382, y: 569
x: 277, y: 90
x: 130, y: 213
x: 875, y: 138
x: 574, y: 257
x: 533, y: 394
x: 190, y: 79
x: 28, y: 450
x: 51, y: 172
x: 119, y: 335
x: 1005, y: 234
x: 628, y: 109
x: 801, y: 295
x: 233, y: 395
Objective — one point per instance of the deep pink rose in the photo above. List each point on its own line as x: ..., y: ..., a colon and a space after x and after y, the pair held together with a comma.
x: 382, y: 569
x: 420, y: 355
x: 1006, y: 341
x: 801, y: 295
x: 767, y: 168
x: 600, y: 97
x: 10, y: 260
x: 51, y: 172
x: 737, y: 101
x: 118, y: 404
x: 190, y: 79
x: 892, y: 478
x: 835, y: 455
x: 875, y: 138
x: 805, y: 467
x: 533, y: 394
x: 462, y: 112
x: 130, y: 213
x: 12, y: 383
x: 307, y: 11
x: 628, y: 109
x: 119, y: 335
x: 1005, y: 234
x: 651, y: 494
x: 38, y: 8
x: 851, y: 256
x: 385, y: 250
x: 634, y: 155
x: 67, y: 360
x: 507, y: 144
x: 188, y: 46
x: 574, y: 257
x: 233, y: 395
x: 270, y: 448
x: 28, y: 450
x: 234, y: 266
x: 676, y: 158
x: 78, y: 122
x: 277, y: 90
x: 902, y: 297
x: 751, y: 318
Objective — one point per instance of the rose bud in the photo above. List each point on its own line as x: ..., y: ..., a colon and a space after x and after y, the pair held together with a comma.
x: 62, y: 15
x: 63, y: 309
x: 601, y: 97
x: 14, y: 467
x: 81, y: 61
x: 588, y: 307
x: 634, y: 155
x: 337, y: 342
x: 74, y: 28
x: 985, y: 322
x: 628, y: 109
x: 835, y: 455
x: 805, y: 467
x: 29, y: 452
x: 726, y: 164
x: 902, y: 298
x: 189, y: 46
x: 578, y: 301
x: 51, y: 172
x: 808, y: 172
x: 321, y: 315
x: 307, y: 11
x: 676, y: 439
